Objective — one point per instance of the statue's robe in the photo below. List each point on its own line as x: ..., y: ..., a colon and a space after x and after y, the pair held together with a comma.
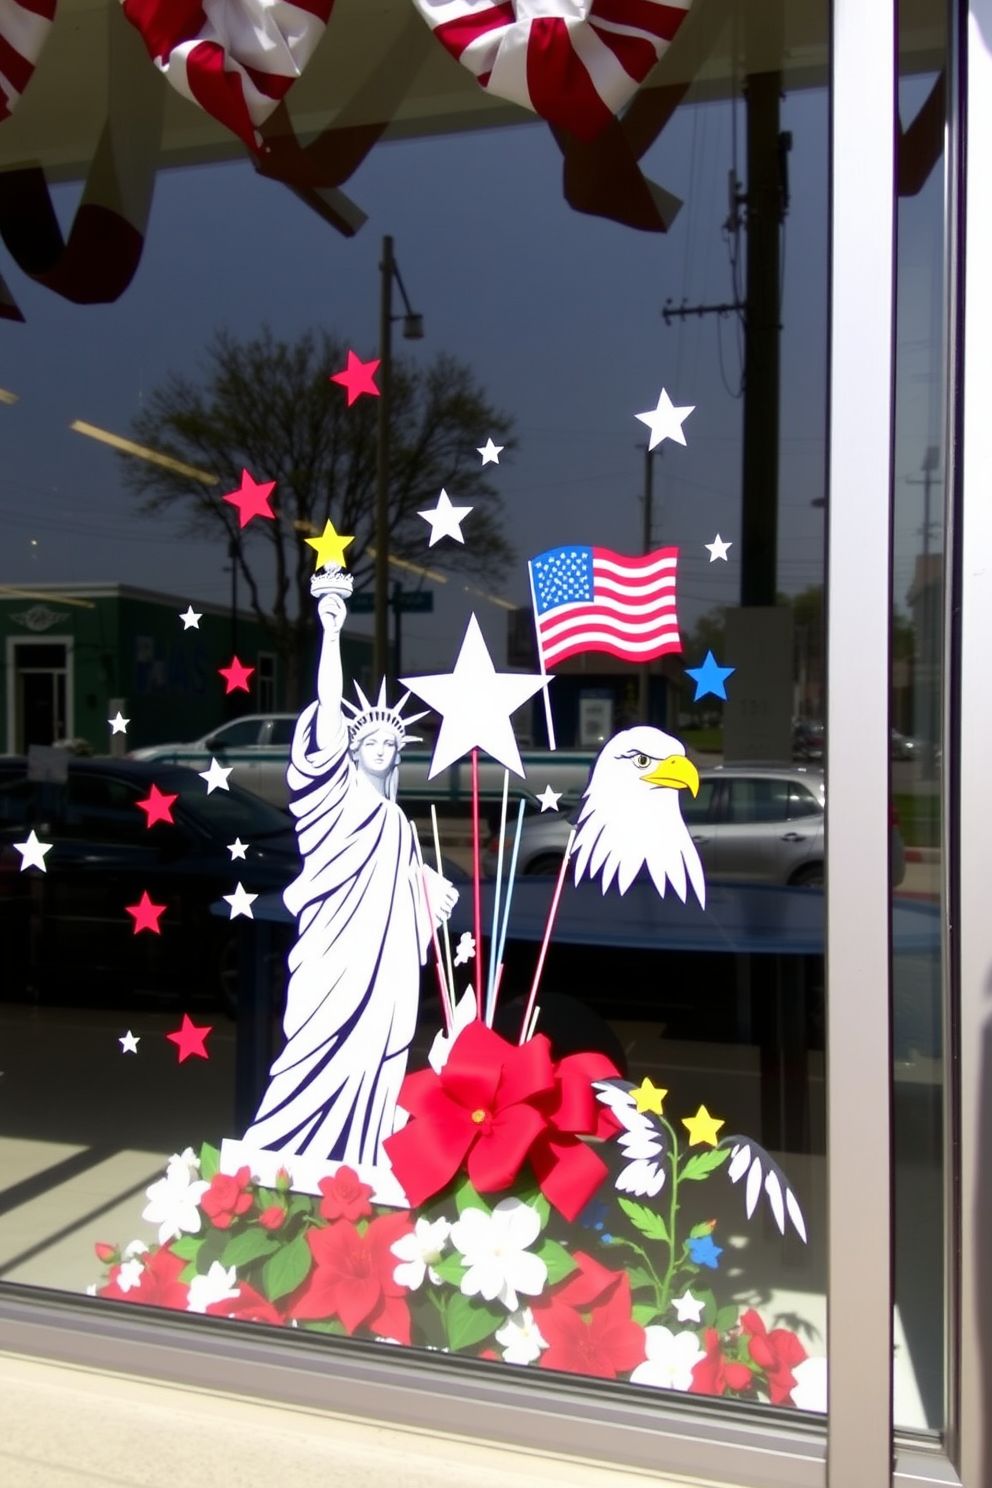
x: 363, y: 931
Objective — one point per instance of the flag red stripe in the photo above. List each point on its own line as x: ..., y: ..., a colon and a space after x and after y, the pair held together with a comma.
x: 17, y: 69
x: 626, y: 652
x: 635, y: 54
x: 456, y: 35
x: 559, y: 85
x: 163, y: 27
x: 660, y: 557
x: 609, y: 625
x: 657, y: 20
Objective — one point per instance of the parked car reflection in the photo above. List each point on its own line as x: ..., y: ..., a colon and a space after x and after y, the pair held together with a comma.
x: 67, y: 935
x: 750, y: 824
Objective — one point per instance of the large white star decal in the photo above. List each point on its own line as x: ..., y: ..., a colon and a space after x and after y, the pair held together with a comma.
x: 475, y: 703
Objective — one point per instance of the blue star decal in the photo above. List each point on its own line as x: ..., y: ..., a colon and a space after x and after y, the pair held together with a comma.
x: 710, y: 677
x: 704, y: 1253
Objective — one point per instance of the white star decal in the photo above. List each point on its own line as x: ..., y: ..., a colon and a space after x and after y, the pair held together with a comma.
x: 475, y: 703
x: 237, y: 848
x: 665, y: 421
x: 549, y: 799
x: 191, y: 620
x: 491, y: 452
x: 446, y: 520
x: 688, y: 1309
x: 128, y: 1042
x: 241, y: 902
x: 33, y: 852
x: 216, y: 777
x: 718, y: 548
x: 118, y: 724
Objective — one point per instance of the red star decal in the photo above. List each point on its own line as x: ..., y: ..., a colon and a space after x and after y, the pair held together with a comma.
x: 236, y: 676
x: 158, y: 806
x: 252, y: 499
x: 146, y: 914
x: 358, y: 377
x: 189, y: 1039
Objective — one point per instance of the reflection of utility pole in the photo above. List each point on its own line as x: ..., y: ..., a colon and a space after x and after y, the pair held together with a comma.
x: 397, y: 629
x: 644, y: 693
x: 413, y: 330
x: 232, y: 553
x: 931, y: 464
x: 767, y: 202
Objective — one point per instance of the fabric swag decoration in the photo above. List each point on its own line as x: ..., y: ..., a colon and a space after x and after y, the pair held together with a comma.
x: 576, y: 63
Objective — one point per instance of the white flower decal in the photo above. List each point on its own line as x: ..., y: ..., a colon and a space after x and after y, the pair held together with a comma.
x: 173, y: 1200
x: 129, y: 1274
x: 494, y: 1248
x: 520, y: 1338
x: 419, y: 1252
x: 810, y: 1390
x: 216, y: 1286
x: 670, y: 1359
x: 465, y: 949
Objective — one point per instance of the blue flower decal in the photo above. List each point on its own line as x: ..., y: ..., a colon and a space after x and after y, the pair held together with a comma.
x: 704, y: 1252
x: 593, y: 1216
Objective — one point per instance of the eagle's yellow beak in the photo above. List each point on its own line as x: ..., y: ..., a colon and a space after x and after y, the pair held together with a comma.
x: 677, y: 772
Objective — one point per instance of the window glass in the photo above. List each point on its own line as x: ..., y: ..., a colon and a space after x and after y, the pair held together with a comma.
x: 236, y: 735
x: 802, y: 802
x: 699, y: 810
x: 758, y: 801
x: 100, y: 808
x: 503, y: 458
x: 918, y: 753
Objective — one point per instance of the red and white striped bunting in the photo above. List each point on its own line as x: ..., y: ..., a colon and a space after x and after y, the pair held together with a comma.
x: 237, y: 59
x: 573, y: 62
x: 24, y: 28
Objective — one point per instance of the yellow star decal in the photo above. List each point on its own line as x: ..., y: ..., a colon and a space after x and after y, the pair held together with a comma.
x: 702, y: 1127
x: 329, y: 546
x: 648, y: 1097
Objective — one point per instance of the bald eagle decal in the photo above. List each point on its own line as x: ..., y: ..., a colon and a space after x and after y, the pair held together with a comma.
x: 631, y: 815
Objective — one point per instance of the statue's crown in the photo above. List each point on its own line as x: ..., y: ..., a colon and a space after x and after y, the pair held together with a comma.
x: 369, y: 716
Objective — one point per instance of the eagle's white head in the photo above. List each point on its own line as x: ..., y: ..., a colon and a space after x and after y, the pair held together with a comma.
x: 631, y: 815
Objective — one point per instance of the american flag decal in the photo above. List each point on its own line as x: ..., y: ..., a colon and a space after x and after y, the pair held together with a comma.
x: 591, y: 599
x: 24, y: 28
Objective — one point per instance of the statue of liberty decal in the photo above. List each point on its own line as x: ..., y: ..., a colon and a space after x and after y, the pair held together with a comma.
x: 363, y: 926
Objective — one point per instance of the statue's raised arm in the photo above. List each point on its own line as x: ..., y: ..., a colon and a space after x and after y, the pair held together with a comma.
x: 331, y: 588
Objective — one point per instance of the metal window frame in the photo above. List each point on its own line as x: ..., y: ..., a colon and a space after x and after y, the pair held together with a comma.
x: 971, y: 1444
x: 759, y: 1450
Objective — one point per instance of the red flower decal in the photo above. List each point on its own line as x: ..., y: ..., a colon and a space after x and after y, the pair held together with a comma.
x: 353, y: 1277
x: 493, y: 1105
x: 158, y: 1286
x: 776, y: 1353
x: 272, y: 1218
x: 227, y: 1197
x: 105, y: 1252
x: 345, y: 1196
x: 248, y: 1306
x: 709, y: 1375
x: 604, y: 1343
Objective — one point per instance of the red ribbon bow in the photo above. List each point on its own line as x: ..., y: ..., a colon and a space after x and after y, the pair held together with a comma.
x: 493, y: 1106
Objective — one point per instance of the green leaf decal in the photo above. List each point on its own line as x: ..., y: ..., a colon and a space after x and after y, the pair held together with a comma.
x: 331, y: 1326
x: 701, y: 1164
x: 470, y: 1320
x: 727, y: 1318
x: 651, y: 1225
x: 557, y: 1259
x: 638, y: 1277
x: 187, y: 1247
x: 209, y: 1161
x: 644, y: 1313
x: 284, y: 1271
x: 451, y: 1268
x: 467, y: 1198
x: 249, y: 1246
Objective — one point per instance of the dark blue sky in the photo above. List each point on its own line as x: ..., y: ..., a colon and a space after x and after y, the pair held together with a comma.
x: 558, y: 313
